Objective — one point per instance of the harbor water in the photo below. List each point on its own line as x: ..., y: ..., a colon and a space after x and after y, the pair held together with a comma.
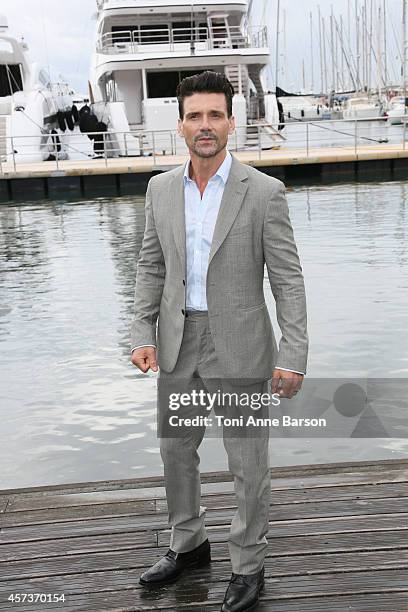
x: 74, y: 409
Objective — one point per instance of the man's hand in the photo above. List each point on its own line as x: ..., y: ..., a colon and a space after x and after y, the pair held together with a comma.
x: 286, y: 384
x: 145, y: 358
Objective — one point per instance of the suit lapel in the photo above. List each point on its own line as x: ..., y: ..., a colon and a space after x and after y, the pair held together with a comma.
x: 177, y: 212
x: 234, y: 193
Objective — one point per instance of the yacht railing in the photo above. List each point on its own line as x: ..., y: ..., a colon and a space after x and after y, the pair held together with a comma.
x: 200, y: 38
x: 305, y: 139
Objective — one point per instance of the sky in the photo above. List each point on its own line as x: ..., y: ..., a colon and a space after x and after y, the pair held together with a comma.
x: 60, y: 35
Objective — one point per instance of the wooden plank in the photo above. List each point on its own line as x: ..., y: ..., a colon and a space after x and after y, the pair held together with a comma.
x: 297, y: 544
x: 377, y: 468
x: 389, y: 602
x: 79, y: 548
x: 216, y: 518
x: 18, y: 525
x: 124, y: 601
x: 279, y: 561
x: 46, y: 499
x: 48, y: 549
x: 55, y: 515
x: 203, y: 585
x: 308, y: 527
x: 61, y: 499
x: 210, y: 500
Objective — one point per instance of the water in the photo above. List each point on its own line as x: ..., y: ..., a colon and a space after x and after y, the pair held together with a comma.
x: 74, y: 409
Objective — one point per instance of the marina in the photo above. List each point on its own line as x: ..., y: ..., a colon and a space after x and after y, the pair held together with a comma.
x: 336, y: 540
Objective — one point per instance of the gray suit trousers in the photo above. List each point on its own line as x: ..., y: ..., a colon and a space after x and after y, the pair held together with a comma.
x: 197, y: 368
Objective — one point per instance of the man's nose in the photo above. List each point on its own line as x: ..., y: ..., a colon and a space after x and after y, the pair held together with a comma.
x: 205, y: 123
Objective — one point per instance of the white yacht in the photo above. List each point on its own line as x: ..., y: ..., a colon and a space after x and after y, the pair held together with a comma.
x: 35, y: 115
x: 396, y: 110
x: 145, y: 47
x: 361, y: 107
x: 303, y: 108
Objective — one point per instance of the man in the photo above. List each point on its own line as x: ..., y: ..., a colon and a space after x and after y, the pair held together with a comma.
x: 211, y: 225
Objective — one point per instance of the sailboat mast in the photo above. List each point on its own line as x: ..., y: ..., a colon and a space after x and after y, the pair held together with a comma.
x: 326, y: 87
x: 333, y: 59
x: 385, y: 48
x: 311, y: 52
x: 320, y: 51
x: 357, y: 47
x: 370, y: 42
x: 277, y: 45
x: 379, y: 71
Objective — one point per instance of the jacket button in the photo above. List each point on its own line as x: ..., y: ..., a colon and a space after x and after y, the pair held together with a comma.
x: 184, y: 282
x: 183, y: 311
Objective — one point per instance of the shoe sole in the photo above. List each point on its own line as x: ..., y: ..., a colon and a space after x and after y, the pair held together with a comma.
x: 193, y: 564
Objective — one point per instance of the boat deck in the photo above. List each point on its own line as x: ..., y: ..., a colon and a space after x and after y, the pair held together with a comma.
x: 337, y: 541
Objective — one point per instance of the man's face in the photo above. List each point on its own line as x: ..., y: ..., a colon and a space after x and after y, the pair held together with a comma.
x: 205, y: 125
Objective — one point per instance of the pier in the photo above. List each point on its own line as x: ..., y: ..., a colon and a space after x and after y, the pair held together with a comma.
x: 129, y: 175
x: 337, y: 541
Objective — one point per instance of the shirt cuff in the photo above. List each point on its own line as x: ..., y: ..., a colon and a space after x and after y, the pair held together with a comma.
x: 287, y: 370
x: 141, y: 346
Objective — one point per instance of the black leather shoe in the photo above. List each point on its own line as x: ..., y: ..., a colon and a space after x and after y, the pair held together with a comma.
x: 243, y: 592
x: 169, y: 567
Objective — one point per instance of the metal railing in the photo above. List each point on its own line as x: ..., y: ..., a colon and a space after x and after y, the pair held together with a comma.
x: 306, y: 138
x: 174, y: 39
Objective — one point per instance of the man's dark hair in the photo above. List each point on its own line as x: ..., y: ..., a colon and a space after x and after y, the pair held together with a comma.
x: 208, y: 82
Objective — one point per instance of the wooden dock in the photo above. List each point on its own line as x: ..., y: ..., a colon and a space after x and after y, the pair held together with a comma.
x: 129, y: 175
x: 337, y: 541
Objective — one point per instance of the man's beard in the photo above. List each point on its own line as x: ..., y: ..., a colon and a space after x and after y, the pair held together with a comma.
x: 206, y: 153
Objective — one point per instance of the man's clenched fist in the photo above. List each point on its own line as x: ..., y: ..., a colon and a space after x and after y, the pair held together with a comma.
x: 145, y: 358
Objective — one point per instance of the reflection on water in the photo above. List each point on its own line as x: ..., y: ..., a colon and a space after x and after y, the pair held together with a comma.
x: 74, y: 408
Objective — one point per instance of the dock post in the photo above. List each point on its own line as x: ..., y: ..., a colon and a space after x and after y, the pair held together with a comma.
x: 104, y: 149
x: 355, y: 136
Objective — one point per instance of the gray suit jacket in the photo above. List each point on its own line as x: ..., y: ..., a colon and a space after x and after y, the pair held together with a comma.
x: 252, y: 229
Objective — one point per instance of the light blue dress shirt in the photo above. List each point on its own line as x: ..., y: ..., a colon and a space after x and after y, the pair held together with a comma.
x: 201, y: 214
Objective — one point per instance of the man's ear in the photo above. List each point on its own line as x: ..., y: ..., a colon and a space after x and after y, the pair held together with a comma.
x: 231, y: 124
x: 180, y: 127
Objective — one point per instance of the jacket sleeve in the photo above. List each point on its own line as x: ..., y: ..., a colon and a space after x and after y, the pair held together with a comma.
x: 150, y: 274
x: 286, y: 280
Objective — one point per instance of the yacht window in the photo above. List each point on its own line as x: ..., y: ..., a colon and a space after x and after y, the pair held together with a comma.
x: 123, y: 34
x: 154, y: 33
x: 164, y: 84
x: 183, y: 31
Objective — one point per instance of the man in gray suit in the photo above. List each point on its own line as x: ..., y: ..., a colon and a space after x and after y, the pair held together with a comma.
x: 211, y: 226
